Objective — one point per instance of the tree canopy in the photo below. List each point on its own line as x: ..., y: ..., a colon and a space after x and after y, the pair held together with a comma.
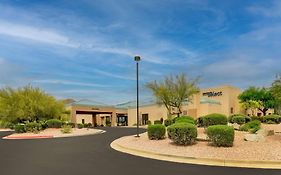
x: 276, y: 91
x: 173, y: 91
x: 28, y: 104
x: 261, y: 97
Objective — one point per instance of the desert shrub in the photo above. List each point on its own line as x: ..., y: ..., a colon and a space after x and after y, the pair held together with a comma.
x: 239, y: 118
x: 251, y: 127
x: 54, y: 123
x: 182, y: 133
x: 33, y: 127
x: 20, y: 128
x: 156, y: 131
x: 214, y: 119
x: 168, y: 122
x: 66, y: 129
x: 270, y: 122
x: 157, y: 122
x: 221, y: 135
x: 273, y: 118
x: 71, y: 124
x: 184, y: 119
x: 87, y: 125
x: 257, y: 118
x: 80, y: 126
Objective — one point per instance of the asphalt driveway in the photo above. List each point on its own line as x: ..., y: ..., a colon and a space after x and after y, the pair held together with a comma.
x: 92, y: 155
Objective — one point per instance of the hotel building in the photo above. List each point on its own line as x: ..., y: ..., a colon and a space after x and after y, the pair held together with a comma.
x: 222, y: 99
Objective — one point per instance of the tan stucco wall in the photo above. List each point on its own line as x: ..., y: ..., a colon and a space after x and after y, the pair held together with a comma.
x: 88, y: 118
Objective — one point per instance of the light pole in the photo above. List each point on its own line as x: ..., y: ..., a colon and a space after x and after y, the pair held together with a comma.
x: 137, y: 59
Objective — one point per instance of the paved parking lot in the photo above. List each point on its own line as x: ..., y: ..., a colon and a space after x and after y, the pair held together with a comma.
x: 93, y: 155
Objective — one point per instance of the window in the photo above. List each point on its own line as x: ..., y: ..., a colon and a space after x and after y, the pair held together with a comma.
x: 231, y: 110
x: 83, y: 121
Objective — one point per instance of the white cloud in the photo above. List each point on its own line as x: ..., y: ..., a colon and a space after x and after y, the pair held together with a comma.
x: 113, y: 75
x: 274, y: 10
x: 35, y: 34
x: 51, y: 81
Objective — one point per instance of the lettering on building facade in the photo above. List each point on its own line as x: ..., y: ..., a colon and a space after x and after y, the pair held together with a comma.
x: 212, y: 94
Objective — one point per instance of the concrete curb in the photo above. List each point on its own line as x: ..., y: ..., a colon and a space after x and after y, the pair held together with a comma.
x: 198, y: 161
x: 47, y: 136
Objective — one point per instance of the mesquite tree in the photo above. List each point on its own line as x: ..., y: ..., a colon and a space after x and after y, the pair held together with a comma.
x: 174, y: 91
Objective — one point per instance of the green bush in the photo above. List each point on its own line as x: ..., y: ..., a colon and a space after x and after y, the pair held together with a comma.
x: 239, y: 118
x: 87, y: 125
x: 156, y: 131
x: 214, y: 119
x: 65, y: 129
x: 273, y: 118
x: 54, y: 123
x: 33, y: 127
x: 80, y: 126
x: 184, y: 119
x: 148, y: 122
x: 251, y: 127
x: 157, y: 122
x: 20, y: 128
x: 182, y: 133
x: 221, y: 135
x: 71, y: 124
x: 168, y: 122
x: 270, y: 122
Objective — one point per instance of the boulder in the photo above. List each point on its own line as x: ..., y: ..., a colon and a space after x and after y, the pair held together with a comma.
x: 265, y: 132
x: 236, y: 126
x: 254, y: 137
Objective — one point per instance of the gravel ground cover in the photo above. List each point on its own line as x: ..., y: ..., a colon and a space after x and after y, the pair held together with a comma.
x: 55, y: 133
x: 269, y: 149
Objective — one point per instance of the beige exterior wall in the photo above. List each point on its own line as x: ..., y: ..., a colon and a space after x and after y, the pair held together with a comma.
x: 228, y: 102
x: 87, y: 117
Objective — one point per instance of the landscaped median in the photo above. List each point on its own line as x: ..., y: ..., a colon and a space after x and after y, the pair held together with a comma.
x: 217, y: 144
x: 54, y: 133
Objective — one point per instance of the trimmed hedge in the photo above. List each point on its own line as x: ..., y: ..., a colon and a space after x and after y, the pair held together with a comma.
x: 251, y: 127
x: 156, y: 131
x: 157, y: 122
x: 272, y: 119
x: 54, y: 123
x: 182, y: 133
x: 168, y: 122
x: 33, y: 127
x: 20, y: 128
x: 221, y: 135
x: 80, y: 126
x: 214, y: 119
x: 184, y: 119
x: 239, y: 119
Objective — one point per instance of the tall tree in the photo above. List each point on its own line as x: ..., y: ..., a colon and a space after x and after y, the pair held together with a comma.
x: 276, y: 91
x: 174, y: 91
x: 261, y: 95
x: 28, y: 104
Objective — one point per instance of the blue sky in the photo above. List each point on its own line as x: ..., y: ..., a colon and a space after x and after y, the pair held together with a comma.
x: 85, y: 49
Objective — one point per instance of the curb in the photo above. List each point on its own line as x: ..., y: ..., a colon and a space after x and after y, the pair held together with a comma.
x: 197, y: 161
x: 47, y: 136
x: 29, y: 137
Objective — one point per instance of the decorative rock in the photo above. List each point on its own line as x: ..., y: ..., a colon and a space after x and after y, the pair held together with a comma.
x: 254, y: 137
x: 236, y: 126
x: 262, y: 132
